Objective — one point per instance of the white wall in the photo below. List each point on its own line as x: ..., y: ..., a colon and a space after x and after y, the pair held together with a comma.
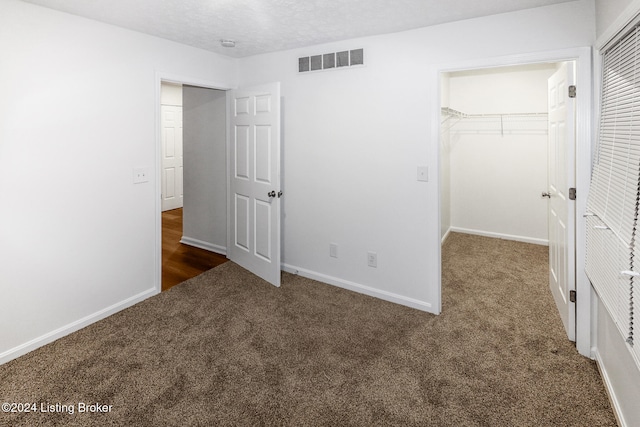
x: 78, y: 107
x: 205, y: 172
x: 618, y: 369
x: 354, y: 137
x: 499, y: 170
x: 607, y: 11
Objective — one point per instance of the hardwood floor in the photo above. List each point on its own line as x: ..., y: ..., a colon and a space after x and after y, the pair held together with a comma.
x: 181, y: 262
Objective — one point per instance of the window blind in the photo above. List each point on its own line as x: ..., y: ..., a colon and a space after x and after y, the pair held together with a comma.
x: 614, y: 196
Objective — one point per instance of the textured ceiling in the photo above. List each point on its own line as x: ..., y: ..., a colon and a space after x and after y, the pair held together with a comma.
x: 260, y: 26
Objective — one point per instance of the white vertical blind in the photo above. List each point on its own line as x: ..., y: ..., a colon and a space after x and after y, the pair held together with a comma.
x: 614, y: 196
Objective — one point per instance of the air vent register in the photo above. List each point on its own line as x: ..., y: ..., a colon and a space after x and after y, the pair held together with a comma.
x: 345, y: 58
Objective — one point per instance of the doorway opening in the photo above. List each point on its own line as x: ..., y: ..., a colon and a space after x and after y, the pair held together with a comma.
x: 498, y: 163
x: 193, y: 181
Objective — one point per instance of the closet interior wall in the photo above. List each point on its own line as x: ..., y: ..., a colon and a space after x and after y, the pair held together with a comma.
x: 445, y: 161
x: 494, y: 162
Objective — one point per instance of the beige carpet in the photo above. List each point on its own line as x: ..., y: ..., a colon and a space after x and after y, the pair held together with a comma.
x: 226, y: 348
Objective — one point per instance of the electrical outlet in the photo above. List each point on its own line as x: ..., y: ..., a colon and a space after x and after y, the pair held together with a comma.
x: 333, y: 250
x: 372, y: 259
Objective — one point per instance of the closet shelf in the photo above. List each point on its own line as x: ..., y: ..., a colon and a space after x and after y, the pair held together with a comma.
x: 503, y: 123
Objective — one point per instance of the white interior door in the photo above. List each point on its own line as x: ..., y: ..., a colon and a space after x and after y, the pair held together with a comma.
x: 172, y: 159
x: 253, y: 156
x: 562, y: 276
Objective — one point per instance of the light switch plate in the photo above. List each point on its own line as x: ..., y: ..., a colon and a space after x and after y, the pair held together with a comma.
x: 140, y: 175
x: 423, y: 173
x: 333, y: 250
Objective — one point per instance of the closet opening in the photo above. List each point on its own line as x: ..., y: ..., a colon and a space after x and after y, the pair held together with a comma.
x: 504, y: 171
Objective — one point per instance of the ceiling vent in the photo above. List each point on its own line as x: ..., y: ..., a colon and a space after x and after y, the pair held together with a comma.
x: 328, y: 61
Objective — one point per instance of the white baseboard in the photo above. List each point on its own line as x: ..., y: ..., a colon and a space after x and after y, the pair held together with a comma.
x: 613, y: 399
x: 362, y: 289
x: 74, y: 326
x: 204, y: 245
x: 525, y: 239
x: 445, y: 236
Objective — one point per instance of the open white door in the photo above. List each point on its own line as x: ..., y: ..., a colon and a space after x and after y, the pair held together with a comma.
x: 172, y: 158
x: 562, y: 277
x: 253, y: 159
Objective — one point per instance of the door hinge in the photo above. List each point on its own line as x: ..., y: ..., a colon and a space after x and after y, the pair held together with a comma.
x: 572, y: 296
x: 572, y: 91
x: 572, y: 193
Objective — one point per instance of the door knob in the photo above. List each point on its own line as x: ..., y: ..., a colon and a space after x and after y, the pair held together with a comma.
x: 547, y: 195
x: 271, y: 194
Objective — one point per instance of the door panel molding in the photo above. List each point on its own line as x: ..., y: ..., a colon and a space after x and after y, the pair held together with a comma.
x: 561, y: 209
x: 172, y: 157
x: 253, y: 154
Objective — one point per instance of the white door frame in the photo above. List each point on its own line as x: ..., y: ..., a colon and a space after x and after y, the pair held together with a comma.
x: 184, y: 80
x: 584, y: 114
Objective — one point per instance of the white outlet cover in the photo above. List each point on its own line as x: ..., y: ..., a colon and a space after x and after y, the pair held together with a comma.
x: 372, y: 259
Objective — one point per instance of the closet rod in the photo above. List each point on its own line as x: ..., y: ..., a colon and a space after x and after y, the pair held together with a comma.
x: 455, y: 113
x: 508, y: 122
